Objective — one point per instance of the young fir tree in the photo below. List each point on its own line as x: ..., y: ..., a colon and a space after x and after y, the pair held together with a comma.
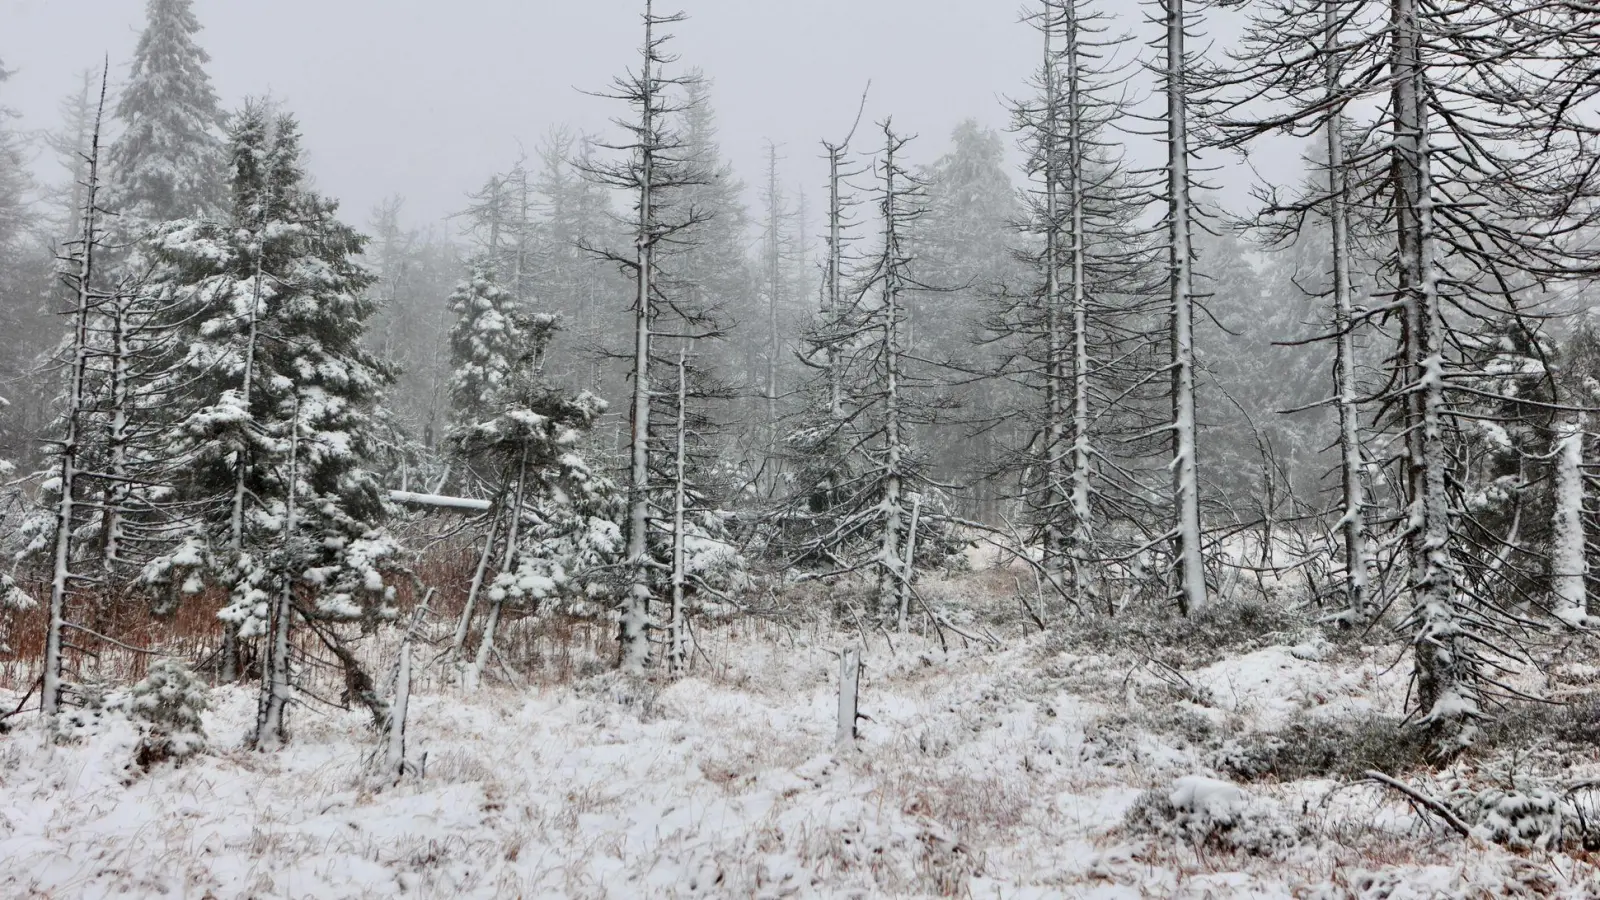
x: 554, y: 519
x: 168, y: 162
x: 165, y: 165
x: 487, y: 340
x: 277, y: 398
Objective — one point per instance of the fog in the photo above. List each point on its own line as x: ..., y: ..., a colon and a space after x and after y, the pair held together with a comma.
x: 426, y: 99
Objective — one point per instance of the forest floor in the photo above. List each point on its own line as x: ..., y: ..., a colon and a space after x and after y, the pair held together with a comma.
x: 1100, y: 760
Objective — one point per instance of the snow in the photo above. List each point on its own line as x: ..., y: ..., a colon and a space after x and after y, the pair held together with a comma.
x: 1208, y: 797
x: 977, y: 773
x: 410, y: 497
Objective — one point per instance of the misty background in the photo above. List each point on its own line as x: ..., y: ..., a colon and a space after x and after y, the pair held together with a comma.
x: 425, y: 99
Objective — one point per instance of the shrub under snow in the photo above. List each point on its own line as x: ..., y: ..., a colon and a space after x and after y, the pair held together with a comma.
x: 1205, y: 811
x: 167, y: 705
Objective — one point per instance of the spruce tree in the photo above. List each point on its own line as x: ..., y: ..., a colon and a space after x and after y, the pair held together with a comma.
x: 554, y: 518
x: 168, y: 162
x: 486, y: 341
x: 275, y: 398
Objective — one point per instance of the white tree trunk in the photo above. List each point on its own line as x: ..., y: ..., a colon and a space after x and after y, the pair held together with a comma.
x: 677, y: 638
x: 774, y: 261
x: 508, y: 561
x: 1569, y: 567
x: 1055, y: 375
x: 908, y: 567
x: 634, y: 632
x: 1353, y: 523
x: 1082, y: 537
x: 230, y: 630
x: 833, y: 302
x: 1191, y: 579
x: 83, y: 303
x: 395, y: 745
x: 458, y: 641
x: 115, y: 494
x: 270, y: 734
x: 889, y: 563
x: 1446, y: 673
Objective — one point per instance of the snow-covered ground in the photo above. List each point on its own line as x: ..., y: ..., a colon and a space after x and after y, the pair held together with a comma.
x: 985, y: 773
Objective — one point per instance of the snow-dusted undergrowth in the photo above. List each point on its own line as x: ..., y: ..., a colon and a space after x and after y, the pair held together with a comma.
x: 981, y: 773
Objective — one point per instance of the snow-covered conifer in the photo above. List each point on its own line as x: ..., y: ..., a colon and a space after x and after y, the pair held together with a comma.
x: 271, y: 306
x: 167, y: 704
x: 168, y: 162
x: 559, y: 516
x: 486, y: 343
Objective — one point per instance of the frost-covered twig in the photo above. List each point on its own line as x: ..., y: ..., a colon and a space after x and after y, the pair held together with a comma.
x: 1444, y: 813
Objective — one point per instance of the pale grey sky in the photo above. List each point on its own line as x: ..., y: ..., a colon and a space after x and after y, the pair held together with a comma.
x: 425, y: 98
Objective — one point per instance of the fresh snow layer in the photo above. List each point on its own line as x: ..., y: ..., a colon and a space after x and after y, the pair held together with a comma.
x: 977, y: 774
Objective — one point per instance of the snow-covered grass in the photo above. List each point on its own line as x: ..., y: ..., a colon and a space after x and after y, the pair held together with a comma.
x: 984, y: 773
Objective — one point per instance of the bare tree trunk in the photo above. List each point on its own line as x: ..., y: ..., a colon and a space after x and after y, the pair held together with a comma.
x: 1191, y: 579
x: 833, y: 297
x: 1446, y: 672
x: 1082, y: 514
x: 908, y: 566
x: 275, y: 678
x: 83, y: 303
x: 1569, y: 567
x: 508, y: 562
x: 117, y: 481
x: 677, y: 652
x: 395, y: 745
x: 634, y: 636
x: 459, y: 640
x: 774, y: 261
x: 1056, y: 417
x: 1353, y: 523
x: 230, y: 630
x: 889, y: 565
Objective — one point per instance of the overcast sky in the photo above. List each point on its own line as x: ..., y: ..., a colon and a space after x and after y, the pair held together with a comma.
x: 426, y: 98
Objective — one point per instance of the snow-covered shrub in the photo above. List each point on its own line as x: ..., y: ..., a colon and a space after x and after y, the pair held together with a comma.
x: 167, y: 705
x: 1571, y: 726
x: 1227, y: 627
x: 1126, y: 738
x: 98, y: 706
x: 1530, y: 819
x: 12, y: 599
x: 1204, y: 811
x: 1318, y: 748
